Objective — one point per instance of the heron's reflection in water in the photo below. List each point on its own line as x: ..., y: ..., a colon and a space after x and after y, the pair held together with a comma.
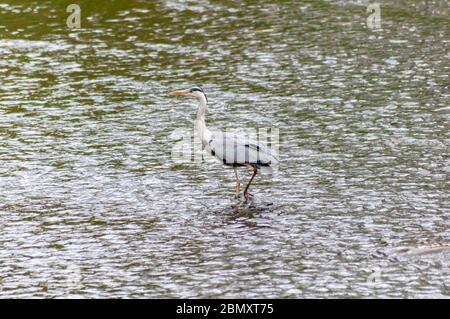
x: 245, y: 213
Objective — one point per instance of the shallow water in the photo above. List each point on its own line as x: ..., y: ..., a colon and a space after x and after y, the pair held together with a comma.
x: 93, y: 204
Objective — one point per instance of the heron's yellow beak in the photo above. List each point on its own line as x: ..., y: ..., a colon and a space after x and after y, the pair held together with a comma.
x: 181, y: 92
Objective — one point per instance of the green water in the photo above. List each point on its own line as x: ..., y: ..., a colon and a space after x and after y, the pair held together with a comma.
x: 92, y: 204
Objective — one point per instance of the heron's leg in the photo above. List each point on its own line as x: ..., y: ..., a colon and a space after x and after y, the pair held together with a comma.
x: 246, y: 193
x: 238, y: 182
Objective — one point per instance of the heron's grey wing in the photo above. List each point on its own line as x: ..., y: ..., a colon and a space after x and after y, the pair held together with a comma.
x: 235, y: 149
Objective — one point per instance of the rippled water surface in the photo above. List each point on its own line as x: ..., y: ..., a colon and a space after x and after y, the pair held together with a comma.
x: 93, y: 205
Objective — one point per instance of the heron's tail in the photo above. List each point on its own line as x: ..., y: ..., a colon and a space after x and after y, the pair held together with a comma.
x: 265, y: 169
x: 270, y: 163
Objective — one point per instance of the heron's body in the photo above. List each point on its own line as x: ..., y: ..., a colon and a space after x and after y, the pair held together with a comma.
x: 232, y: 149
x: 236, y: 150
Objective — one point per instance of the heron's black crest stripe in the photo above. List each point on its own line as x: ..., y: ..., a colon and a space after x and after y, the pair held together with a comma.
x: 198, y: 89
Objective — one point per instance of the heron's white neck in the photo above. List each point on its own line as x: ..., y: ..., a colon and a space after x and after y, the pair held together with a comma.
x: 200, y: 124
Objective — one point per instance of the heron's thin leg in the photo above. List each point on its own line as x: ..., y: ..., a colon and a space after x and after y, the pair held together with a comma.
x: 246, y: 193
x: 238, y: 182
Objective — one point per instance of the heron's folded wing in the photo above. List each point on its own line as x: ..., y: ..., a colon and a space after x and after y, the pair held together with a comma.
x: 235, y: 149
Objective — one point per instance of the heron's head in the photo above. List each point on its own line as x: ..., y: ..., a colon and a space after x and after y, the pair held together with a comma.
x: 195, y: 91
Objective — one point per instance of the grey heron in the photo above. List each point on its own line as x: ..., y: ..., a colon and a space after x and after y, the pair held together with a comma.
x: 232, y: 149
